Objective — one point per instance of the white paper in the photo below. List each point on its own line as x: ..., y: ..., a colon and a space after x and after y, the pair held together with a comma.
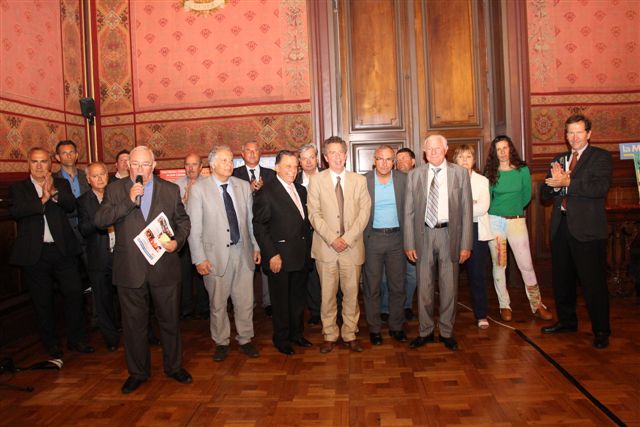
x: 148, y: 241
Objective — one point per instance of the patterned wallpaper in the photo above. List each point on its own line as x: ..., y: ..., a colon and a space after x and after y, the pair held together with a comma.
x: 41, y: 69
x: 584, y: 56
x: 180, y: 80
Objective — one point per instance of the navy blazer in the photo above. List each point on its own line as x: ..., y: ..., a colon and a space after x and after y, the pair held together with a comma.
x: 586, y: 196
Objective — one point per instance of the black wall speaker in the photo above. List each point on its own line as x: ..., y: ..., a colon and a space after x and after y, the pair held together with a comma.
x: 88, y: 108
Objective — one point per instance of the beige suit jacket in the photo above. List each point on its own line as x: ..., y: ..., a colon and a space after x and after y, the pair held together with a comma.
x: 322, y: 205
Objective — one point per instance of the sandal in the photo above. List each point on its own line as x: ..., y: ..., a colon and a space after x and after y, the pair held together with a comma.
x: 483, y: 324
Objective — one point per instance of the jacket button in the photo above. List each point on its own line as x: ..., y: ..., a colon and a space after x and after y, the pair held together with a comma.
x: 227, y: 245
x: 227, y: 230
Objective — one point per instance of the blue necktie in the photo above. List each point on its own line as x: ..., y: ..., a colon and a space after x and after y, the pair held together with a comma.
x: 231, y: 215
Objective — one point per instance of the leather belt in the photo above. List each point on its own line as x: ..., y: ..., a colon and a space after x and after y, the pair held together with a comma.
x: 511, y: 217
x: 49, y: 243
x: 440, y: 225
x: 387, y: 230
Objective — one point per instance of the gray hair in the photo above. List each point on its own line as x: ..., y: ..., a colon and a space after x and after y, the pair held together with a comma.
x: 211, y: 158
x: 437, y: 137
x: 244, y: 145
x: 306, y: 147
x: 143, y: 148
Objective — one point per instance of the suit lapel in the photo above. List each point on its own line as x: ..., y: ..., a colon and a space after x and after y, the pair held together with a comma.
x: 286, y: 199
x: 451, y: 176
x: 584, y: 158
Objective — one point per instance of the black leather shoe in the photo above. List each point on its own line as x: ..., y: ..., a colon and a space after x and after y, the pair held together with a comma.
x: 182, y: 376
x: 249, y: 349
x: 222, y: 351
x: 375, y: 338
x: 55, y: 351
x: 131, y: 385
x: 408, y: 314
x: 601, y: 340
x: 314, y: 320
x: 303, y: 342
x: 203, y: 315
x: 558, y: 327
x: 384, y: 316
x: 286, y: 349
x: 268, y: 310
x: 112, y: 347
x: 420, y: 341
x: 449, y: 342
x: 399, y: 336
x: 188, y: 316
x: 153, y: 340
x: 80, y: 347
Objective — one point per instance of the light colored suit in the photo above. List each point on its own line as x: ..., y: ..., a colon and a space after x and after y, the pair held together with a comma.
x: 232, y: 265
x: 338, y: 269
x: 441, y: 245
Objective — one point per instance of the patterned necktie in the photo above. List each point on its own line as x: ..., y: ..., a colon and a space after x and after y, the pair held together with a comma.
x: 340, y: 197
x: 296, y: 199
x: 253, y: 174
x: 572, y: 166
x: 231, y: 215
x: 432, y: 200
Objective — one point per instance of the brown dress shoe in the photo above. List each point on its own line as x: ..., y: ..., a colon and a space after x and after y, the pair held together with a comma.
x: 327, y: 346
x: 543, y: 313
x: 505, y: 314
x: 354, y: 346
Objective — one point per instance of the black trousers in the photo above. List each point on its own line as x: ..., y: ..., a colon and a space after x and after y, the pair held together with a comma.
x: 134, y: 303
x: 476, y: 266
x: 40, y: 280
x: 104, y: 303
x: 314, y: 294
x: 288, y: 291
x: 193, y: 297
x: 573, y: 260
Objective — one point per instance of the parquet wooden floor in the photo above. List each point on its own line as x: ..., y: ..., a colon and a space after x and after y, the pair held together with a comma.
x: 495, y: 379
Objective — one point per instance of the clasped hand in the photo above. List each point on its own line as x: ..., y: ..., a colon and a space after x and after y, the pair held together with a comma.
x: 559, y: 177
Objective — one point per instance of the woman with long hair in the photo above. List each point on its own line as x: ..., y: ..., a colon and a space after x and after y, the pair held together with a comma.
x: 510, y: 190
x: 465, y: 156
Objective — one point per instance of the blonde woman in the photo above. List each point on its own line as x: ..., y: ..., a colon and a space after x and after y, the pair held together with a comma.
x: 510, y: 189
x: 465, y: 156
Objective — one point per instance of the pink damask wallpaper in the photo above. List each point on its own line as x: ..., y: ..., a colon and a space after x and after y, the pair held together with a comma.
x: 41, y: 78
x: 584, y: 56
x: 180, y: 79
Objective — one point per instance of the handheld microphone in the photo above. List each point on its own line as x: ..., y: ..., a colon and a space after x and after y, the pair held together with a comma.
x: 138, y: 197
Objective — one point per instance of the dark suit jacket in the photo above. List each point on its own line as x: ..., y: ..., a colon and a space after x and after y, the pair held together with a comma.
x: 29, y: 213
x: 130, y: 268
x: 280, y: 229
x: 267, y: 174
x: 82, y: 180
x: 586, y: 196
x: 298, y: 179
x: 97, y: 239
x: 399, y: 185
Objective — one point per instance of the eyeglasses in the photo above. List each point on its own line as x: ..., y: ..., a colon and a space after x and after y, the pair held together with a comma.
x: 143, y: 164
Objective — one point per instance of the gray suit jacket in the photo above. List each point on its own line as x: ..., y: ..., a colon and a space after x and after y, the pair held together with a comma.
x: 210, y: 236
x: 399, y: 185
x: 460, y: 210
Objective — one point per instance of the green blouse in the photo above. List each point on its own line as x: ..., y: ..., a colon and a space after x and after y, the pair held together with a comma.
x: 511, y: 193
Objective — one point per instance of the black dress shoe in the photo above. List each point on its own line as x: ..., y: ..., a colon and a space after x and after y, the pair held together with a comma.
x: 449, y: 342
x: 250, y: 350
x: 131, y: 385
x: 182, y: 376
x: 55, y: 351
x: 601, y: 340
x: 112, y: 347
x: 153, y: 340
x: 268, y: 310
x: 384, y: 316
x: 558, y: 327
x: 399, y: 336
x: 222, y: 351
x: 303, y: 342
x: 375, y: 338
x: 187, y: 316
x: 408, y: 314
x: 286, y: 349
x: 314, y: 320
x: 420, y: 341
x: 80, y: 347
